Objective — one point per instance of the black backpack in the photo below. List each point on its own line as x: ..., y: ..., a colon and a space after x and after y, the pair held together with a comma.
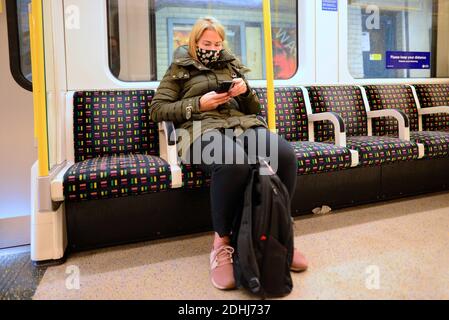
x: 263, y: 237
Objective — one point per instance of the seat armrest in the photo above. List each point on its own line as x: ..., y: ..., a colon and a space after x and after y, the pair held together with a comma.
x: 337, y: 121
x: 399, y: 115
x: 168, y: 151
x: 169, y: 131
x: 57, y: 184
x: 433, y: 110
x: 167, y: 142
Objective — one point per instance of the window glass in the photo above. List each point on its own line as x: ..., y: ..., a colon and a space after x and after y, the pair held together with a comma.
x: 398, y: 38
x: 24, y: 37
x: 143, y: 34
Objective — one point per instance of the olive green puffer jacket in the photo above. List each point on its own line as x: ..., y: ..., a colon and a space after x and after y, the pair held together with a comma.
x: 186, y: 81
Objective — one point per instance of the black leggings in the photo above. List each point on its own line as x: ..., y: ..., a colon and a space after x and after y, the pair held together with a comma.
x: 229, y: 179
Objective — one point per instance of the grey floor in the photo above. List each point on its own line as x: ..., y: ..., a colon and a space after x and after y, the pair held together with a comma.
x: 391, y: 250
x: 18, y: 277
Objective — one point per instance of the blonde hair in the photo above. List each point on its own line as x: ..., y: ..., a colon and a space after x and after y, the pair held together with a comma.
x: 201, y: 25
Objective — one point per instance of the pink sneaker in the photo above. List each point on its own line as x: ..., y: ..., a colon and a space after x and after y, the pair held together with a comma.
x: 299, y: 263
x: 221, y: 269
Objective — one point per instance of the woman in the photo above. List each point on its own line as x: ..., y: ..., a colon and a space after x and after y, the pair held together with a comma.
x: 187, y: 96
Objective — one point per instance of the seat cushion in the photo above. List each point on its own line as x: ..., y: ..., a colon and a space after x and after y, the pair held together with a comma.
x: 434, y: 95
x: 436, y: 122
x: 291, y: 113
x: 380, y: 150
x: 315, y: 157
x: 107, y: 123
x: 116, y: 176
x: 436, y: 143
x: 347, y: 101
x: 398, y: 97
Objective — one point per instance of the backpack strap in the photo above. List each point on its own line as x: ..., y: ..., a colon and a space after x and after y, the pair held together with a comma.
x: 245, y: 242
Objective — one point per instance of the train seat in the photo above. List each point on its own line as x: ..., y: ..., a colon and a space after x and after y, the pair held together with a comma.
x: 116, y: 154
x: 293, y: 124
x: 116, y: 149
x: 402, y: 97
x: 116, y: 175
x: 433, y: 96
x: 349, y: 104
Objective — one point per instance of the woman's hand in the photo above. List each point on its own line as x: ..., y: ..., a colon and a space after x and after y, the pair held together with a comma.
x: 238, y: 88
x: 210, y: 101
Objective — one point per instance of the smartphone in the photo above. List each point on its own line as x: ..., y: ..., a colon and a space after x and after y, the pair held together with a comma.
x: 224, y: 86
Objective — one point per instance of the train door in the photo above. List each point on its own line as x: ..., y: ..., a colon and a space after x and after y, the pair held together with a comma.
x: 18, y: 151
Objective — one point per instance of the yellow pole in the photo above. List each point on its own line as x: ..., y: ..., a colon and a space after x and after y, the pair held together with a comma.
x: 33, y: 45
x: 269, y: 65
x: 1, y: 6
x: 39, y: 90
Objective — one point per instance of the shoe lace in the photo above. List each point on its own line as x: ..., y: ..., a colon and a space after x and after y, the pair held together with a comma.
x: 224, y: 256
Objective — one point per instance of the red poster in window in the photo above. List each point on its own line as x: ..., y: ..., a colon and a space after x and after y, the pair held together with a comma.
x: 284, y: 52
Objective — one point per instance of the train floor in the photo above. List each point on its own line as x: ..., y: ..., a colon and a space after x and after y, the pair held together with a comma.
x: 391, y: 250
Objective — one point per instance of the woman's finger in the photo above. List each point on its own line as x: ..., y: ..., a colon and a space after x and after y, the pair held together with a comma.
x: 226, y: 98
x: 238, y: 90
x: 222, y: 100
x: 220, y: 95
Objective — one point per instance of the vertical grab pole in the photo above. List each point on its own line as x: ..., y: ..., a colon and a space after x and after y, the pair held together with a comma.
x: 33, y: 71
x: 39, y: 91
x: 271, y: 115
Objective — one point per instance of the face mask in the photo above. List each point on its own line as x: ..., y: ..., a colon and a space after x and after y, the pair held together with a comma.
x: 207, y: 56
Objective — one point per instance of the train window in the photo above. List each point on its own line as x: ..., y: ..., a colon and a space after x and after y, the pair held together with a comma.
x: 143, y: 34
x: 19, y: 41
x: 398, y: 39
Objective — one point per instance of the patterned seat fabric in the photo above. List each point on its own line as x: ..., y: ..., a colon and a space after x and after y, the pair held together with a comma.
x: 291, y: 113
x: 116, y: 147
x: 193, y: 177
x: 314, y: 157
x: 292, y: 125
x: 392, y: 97
x: 436, y: 143
x: 116, y: 176
x: 348, y: 102
x: 380, y: 150
x: 434, y: 95
x: 401, y: 97
x: 113, y: 123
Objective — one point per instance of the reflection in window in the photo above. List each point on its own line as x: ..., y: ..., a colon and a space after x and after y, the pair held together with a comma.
x: 398, y: 38
x: 143, y: 34
x: 24, y: 37
x: 114, y: 38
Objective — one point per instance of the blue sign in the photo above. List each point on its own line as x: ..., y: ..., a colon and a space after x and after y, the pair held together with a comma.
x: 408, y: 60
x: 329, y: 5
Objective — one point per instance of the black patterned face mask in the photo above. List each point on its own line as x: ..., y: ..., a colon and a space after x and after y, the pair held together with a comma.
x: 207, y: 56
